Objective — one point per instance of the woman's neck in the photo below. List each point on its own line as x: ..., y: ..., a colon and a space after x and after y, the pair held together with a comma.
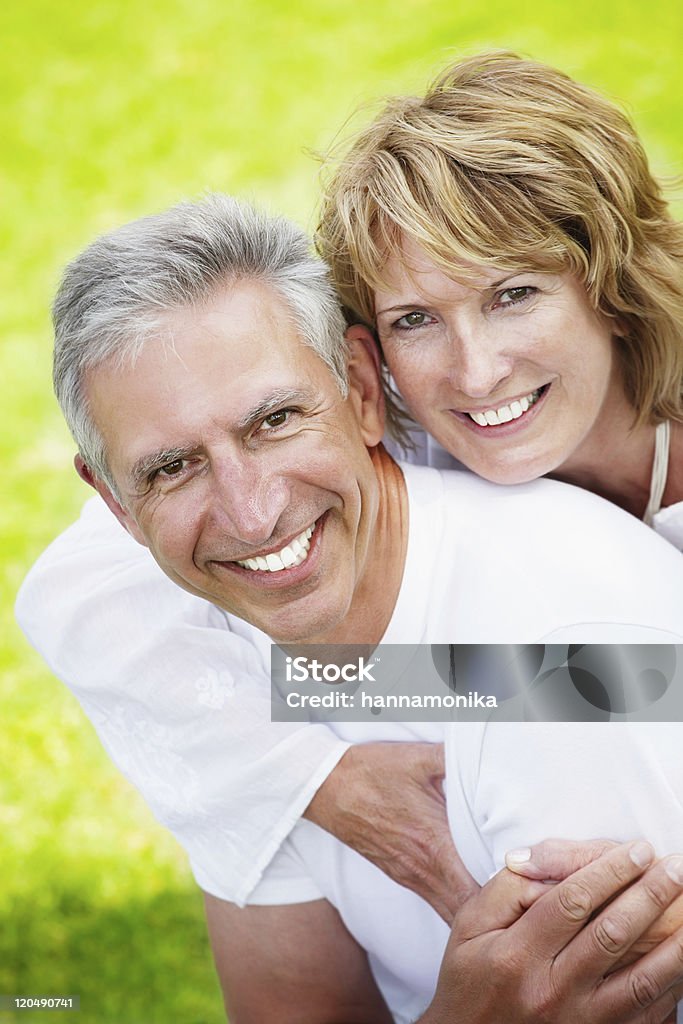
x: 615, y: 460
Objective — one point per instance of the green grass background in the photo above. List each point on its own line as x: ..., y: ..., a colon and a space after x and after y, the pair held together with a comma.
x: 109, y: 111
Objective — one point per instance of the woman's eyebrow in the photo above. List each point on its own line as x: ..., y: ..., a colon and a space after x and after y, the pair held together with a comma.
x: 480, y: 287
x: 401, y: 305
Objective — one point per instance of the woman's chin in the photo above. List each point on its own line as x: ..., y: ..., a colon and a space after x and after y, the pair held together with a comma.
x: 518, y: 471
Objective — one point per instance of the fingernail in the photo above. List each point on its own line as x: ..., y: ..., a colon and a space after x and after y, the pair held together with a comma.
x: 674, y: 869
x: 516, y: 857
x: 641, y: 854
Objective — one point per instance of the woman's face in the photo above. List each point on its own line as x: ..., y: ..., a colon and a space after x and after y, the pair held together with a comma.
x: 513, y: 373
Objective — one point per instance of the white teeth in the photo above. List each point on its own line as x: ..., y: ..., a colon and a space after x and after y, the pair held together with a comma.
x: 506, y: 413
x: 288, y: 556
x: 293, y: 554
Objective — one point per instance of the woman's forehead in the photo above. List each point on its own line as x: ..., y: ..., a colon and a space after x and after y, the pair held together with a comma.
x: 412, y: 267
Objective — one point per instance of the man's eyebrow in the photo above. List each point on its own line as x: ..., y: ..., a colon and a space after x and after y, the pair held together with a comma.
x: 147, y: 464
x: 277, y: 399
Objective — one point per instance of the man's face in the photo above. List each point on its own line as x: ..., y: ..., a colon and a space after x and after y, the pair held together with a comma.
x: 241, y: 467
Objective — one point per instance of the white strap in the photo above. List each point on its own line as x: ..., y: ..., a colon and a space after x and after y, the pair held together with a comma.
x: 660, y: 467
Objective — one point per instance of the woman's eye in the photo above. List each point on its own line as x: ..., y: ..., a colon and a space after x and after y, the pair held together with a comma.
x: 513, y: 295
x: 414, y: 319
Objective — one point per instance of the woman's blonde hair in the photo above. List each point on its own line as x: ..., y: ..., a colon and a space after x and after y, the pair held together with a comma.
x: 509, y: 163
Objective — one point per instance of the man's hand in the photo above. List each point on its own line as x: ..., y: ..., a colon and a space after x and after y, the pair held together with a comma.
x: 526, y: 953
x: 385, y: 801
x: 555, y: 859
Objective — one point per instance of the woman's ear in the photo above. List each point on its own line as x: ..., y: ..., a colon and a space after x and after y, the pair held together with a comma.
x: 365, y: 383
x: 110, y: 499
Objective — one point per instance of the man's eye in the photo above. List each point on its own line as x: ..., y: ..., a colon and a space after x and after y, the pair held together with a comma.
x: 511, y: 296
x: 412, y: 320
x: 172, y: 468
x: 276, y: 419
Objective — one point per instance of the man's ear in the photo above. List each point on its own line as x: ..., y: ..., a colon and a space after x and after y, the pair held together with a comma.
x: 110, y: 500
x: 365, y: 383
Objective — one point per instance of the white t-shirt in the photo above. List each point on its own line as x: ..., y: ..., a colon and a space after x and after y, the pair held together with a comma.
x: 179, y: 692
x: 668, y: 522
x: 483, y: 563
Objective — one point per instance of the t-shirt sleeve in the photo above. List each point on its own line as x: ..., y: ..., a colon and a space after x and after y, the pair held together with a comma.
x: 180, y: 702
x: 286, y: 879
x: 512, y: 785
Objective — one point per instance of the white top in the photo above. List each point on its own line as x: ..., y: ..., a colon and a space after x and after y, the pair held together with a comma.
x: 660, y: 471
x: 666, y: 521
x: 178, y: 691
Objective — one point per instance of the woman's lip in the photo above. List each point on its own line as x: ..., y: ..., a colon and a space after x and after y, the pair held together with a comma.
x: 502, y: 430
x: 283, y: 577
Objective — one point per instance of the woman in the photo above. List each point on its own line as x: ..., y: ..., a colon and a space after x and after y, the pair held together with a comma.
x: 525, y: 277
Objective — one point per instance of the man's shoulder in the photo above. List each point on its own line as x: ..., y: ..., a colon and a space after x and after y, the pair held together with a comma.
x: 522, y: 562
x: 545, y: 507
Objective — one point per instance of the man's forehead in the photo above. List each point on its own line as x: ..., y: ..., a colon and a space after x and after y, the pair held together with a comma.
x: 244, y: 297
x: 245, y: 332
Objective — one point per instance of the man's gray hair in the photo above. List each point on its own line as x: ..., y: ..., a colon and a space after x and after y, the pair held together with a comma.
x: 118, y: 293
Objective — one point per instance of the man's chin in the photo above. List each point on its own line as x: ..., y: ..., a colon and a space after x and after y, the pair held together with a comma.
x: 294, y: 628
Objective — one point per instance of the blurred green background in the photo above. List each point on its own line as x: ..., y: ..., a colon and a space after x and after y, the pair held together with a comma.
x: 109, y: 111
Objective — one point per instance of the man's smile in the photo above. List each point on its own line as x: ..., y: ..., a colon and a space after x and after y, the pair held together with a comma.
x: 293, y: 553
x: 286, y: 566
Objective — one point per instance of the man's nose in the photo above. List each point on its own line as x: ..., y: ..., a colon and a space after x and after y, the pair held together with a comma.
x: 478, y: 363
x: 248, y: 500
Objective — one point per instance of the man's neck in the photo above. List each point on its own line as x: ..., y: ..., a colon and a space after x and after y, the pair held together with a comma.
x: 378, y: 589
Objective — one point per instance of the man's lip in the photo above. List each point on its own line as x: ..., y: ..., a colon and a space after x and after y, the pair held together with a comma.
x: 503, y: 430
x: 283, y: 577
x: 275, y: 548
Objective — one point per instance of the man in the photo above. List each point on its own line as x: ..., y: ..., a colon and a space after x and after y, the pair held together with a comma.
x: 200, y: 364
